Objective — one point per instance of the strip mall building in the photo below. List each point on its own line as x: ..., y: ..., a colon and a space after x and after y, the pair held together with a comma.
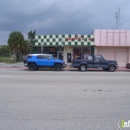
x: 111, y: 44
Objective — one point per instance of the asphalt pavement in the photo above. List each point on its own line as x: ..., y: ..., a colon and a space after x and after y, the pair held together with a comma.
x: 66, y: 100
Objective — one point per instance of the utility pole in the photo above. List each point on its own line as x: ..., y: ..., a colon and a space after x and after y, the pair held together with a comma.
x: 117, y: 16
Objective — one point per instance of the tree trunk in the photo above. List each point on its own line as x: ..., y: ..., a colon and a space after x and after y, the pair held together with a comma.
x: 17, y: 56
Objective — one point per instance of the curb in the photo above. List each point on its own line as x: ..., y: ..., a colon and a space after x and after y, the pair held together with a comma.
x: 119, y: 69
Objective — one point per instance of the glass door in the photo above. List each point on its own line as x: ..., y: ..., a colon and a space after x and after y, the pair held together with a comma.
x: 60, y: 55
x: 68, y: 57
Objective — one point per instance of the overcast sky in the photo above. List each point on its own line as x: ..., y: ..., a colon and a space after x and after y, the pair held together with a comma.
x: 60, y: 16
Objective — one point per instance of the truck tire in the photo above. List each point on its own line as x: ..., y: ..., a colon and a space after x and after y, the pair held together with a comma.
x: 32, y: 67
x: 58, y: 67
x: 112, y: 68
x: 83, y: 67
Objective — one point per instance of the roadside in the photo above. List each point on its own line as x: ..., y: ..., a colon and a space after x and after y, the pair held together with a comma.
x: 21, y: 66
x: 14, y: 65
x: 119, y: 69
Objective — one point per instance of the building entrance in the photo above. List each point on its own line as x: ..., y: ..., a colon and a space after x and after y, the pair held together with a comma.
x: 60, y: 55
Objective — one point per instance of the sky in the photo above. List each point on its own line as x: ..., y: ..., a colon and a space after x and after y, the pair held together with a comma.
x: 61, y: 16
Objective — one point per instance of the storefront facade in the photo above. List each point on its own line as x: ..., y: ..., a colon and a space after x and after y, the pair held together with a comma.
x: 65, y: 47
x: 113, y: 45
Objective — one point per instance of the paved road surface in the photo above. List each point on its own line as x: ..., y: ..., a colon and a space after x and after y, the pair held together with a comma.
x: 67, y: 100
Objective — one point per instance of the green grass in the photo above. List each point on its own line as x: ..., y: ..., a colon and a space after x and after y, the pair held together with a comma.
x: 7, y: 60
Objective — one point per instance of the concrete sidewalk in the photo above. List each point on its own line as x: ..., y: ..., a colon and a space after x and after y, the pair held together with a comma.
x: 15, y: 65
x: 123, y: 69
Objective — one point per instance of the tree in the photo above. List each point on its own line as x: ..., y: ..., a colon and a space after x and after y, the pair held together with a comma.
x: 4, y: 51
x: 31, y: 36
x: 26, y: 48
x: 16, y: 43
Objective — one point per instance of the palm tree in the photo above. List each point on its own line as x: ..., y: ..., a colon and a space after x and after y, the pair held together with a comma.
x: 15, y: 43
x: 26, y: 48
x: 31, y: 36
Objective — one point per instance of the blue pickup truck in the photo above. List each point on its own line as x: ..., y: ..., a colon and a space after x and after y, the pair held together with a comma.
x: 35, y: 61
x: 94, y: 61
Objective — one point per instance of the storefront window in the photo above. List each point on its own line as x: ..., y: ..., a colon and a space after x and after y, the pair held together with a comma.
x: 81, y: 52
x: 57, y: 52
x: 50, y: 50
x: 77, y: 53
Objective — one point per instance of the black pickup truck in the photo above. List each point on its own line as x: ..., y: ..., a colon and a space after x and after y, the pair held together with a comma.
x: 94, y: 61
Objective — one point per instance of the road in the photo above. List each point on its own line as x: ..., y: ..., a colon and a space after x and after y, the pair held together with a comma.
x: 67, y: 100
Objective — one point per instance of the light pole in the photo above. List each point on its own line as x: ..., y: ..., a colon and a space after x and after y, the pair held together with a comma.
x: 42, y: 47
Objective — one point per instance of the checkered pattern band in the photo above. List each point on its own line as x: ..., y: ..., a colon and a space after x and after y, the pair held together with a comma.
x: 58, y: 40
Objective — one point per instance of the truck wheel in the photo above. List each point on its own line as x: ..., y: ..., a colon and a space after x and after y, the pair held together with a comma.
x: 112, y: 68
x: 58, y: 67
x: 32, y: 67
x: 82, y: 67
